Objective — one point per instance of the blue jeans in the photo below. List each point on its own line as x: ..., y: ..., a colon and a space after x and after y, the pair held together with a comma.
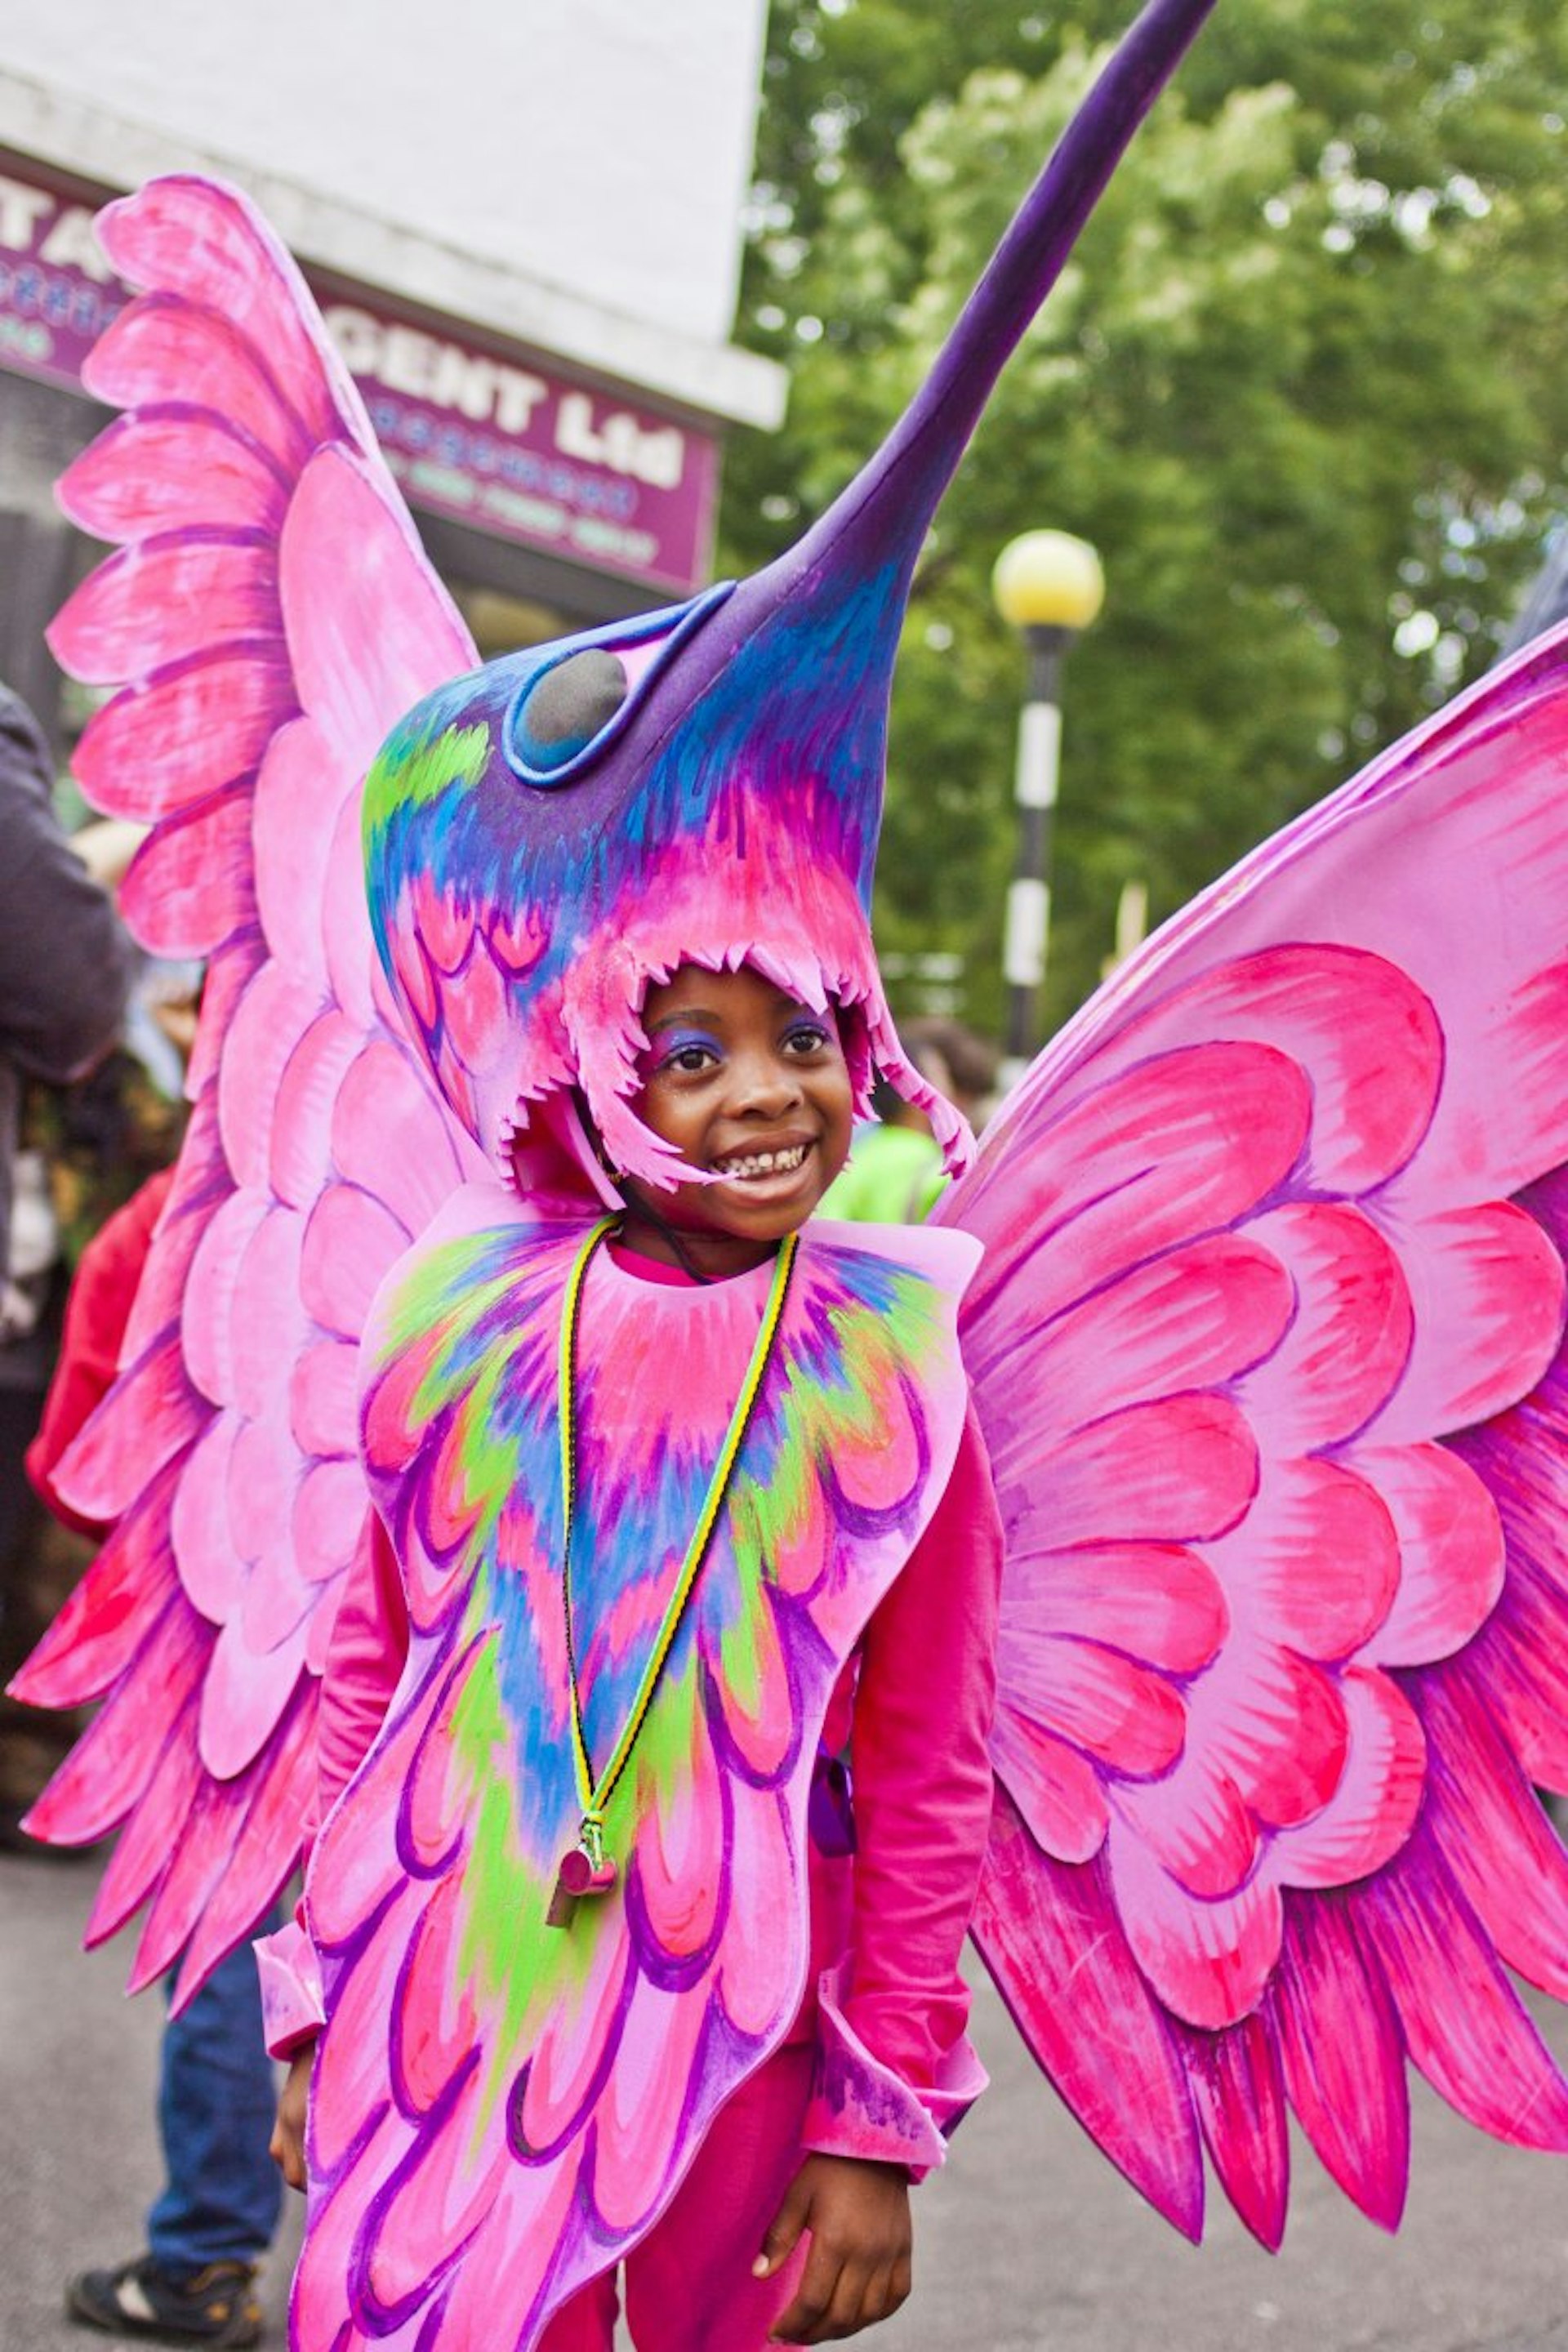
x: 216, y: 2098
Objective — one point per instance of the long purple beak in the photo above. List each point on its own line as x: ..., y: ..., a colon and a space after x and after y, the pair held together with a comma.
x: 887, y: 508
x: 790, y: 674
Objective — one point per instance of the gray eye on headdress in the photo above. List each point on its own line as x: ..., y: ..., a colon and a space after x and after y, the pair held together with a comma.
x: 568, y: 707
x: 581, y: 697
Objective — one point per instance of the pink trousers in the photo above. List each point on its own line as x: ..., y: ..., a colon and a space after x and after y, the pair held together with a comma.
x: 688, y: 2284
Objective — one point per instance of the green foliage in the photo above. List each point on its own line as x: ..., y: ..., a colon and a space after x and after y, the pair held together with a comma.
x: 1302, y: 385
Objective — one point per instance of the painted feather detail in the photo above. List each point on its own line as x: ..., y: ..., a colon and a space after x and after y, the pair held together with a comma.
x: 548, y: 2087
x: 273, y: 615
x: 1268, y: 1347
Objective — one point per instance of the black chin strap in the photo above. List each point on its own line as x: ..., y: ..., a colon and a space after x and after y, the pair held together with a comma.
x: 639, y: 1204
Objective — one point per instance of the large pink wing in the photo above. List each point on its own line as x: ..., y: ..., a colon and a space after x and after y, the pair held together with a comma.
x: 1267, y: 1347
x: 268, y: 617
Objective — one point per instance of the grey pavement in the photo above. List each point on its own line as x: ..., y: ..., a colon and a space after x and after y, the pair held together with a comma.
x: 77, y: 2067
x: 1027, y: 2243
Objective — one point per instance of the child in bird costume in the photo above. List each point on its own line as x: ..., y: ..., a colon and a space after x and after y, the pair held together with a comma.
x: 1255, y: 1293
x: 729, y: 1518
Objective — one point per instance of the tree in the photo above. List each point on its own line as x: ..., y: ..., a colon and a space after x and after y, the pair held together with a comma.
x: 1302, y: 385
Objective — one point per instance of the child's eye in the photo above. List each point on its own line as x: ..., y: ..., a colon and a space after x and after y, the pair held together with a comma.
x: 806, y: 1037
x: 687, y: 1056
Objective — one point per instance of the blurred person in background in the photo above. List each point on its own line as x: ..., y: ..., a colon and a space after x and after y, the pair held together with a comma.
x: 218, y: 2208
x: 894, y: 1175
x: 84, y: 1150
x: 65, y: 967
x: 109, y: 1142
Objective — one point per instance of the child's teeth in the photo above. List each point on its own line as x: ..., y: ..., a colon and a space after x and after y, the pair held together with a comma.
x: 764, y: 1163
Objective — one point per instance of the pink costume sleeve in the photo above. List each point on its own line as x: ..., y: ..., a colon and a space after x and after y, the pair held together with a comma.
x: 895, y: 2067
x: 364, y: 1662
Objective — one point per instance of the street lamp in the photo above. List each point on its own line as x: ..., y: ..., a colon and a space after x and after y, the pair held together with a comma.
x: 1048, y: 585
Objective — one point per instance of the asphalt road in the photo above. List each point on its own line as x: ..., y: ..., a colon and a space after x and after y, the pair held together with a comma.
x: 1027, y: 2241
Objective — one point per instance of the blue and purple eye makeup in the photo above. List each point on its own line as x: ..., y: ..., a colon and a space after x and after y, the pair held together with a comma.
x: 681, y: 1045
x: 667, y: 1048
x: 808, y: 1035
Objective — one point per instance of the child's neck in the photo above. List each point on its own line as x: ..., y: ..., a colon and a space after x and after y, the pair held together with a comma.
x: 707, y: 1253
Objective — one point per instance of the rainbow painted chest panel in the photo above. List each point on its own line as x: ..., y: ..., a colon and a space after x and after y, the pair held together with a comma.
x: 554, y: 2083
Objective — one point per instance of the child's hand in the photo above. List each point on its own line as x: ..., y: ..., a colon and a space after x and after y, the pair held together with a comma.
x: 287, y: 2144
x: 861, y: 2238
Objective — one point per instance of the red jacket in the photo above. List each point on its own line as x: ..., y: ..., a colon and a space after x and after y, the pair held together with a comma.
x: 97, y: 1312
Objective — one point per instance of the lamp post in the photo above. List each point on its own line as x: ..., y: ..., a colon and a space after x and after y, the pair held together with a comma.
x: 1048, y: 585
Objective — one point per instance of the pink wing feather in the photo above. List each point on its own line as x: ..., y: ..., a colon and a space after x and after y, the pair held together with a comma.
x: 268, y: 617
x: 1268, y: 1346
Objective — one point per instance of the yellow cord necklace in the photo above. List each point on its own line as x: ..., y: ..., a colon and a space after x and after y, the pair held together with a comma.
x: 588, y: 1869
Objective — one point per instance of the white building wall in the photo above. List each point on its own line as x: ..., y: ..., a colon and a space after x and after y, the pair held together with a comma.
x: 598, y: 149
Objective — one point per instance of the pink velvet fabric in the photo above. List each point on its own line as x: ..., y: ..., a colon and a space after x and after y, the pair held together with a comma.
x: 688, y: 2284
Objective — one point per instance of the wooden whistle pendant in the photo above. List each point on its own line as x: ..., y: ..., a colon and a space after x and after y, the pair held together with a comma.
x: 586, y: 1870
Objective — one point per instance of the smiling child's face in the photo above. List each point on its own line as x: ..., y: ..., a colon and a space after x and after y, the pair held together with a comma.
x: 744, y: 1081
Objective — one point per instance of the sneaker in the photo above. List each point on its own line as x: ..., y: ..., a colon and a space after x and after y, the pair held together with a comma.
x: 215, y: 2305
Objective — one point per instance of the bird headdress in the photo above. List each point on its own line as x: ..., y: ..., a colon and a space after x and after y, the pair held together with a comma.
x: 549, y: 835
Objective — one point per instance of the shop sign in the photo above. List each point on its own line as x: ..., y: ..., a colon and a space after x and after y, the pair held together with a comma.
x: 57, y: 291
x: 508, y: 447
x: 517, y: 450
